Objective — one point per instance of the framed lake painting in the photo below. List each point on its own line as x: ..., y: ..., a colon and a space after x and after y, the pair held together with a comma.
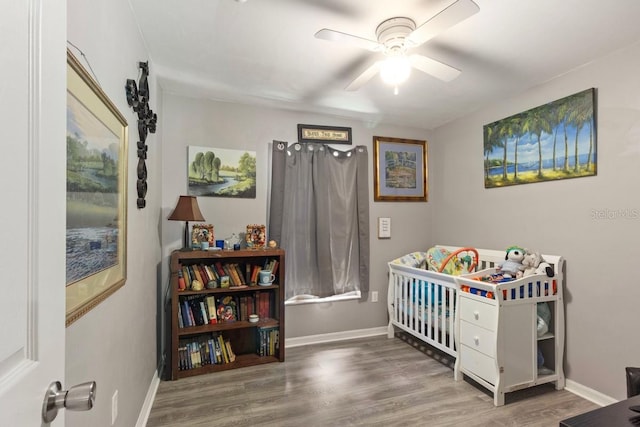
x: 220, y: 172
x: 546, y: 143
x: 96, y: 233
x: 400, y: 169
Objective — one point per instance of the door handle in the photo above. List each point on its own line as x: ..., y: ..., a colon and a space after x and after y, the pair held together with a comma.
x: 80, y: 397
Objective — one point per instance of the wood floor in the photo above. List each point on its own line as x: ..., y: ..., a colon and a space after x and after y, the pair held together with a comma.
x: 365, y: 382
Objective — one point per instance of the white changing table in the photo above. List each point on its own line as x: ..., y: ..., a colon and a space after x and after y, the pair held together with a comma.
x: 497, y: 337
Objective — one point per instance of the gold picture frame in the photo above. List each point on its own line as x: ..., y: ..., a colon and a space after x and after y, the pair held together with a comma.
x: 203, y: 233
x: 400, y: 170
x: 97, y: 147
x: 256, y: 236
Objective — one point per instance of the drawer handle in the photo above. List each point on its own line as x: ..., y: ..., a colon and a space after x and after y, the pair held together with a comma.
x: 476, y: 314
x: 476, y: 340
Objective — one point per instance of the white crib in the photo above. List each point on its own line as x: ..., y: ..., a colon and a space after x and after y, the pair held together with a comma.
x: 490, y: 329
x: 421, y: 302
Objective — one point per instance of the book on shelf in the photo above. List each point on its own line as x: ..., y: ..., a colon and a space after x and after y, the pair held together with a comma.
x: 211, y: 308
x: 213, y: 277
x: 196, y: 274
x: 267, y: 341
x: 212, y: 351
x: 203, y: 274
x: 198, y: 317
x: 271, y: 265
x: 233, y: 273
x: 232, y: 356
x: 263, y: 304
x: 223, y: 349
x: 255, y: 270
x: 246, y: 307
x: 186, y: 276
x: 203, y: 310
x: 227, y: 309
x: 219, y: 269
x: 218, y: 351
x: 187, y: 317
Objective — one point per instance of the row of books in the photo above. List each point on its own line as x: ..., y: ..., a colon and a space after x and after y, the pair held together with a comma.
x: 268, y: 341
x: 198, y: 310
x: 198, y: 352
x: 222, y: 275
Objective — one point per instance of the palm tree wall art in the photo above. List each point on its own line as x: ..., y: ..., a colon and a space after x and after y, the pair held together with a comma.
x: 546, y: 143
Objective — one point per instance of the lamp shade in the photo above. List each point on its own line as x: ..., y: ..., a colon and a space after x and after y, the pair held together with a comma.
x: 187, y: 209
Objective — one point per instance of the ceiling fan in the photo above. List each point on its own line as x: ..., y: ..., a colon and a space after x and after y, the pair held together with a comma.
x: 396, y: 36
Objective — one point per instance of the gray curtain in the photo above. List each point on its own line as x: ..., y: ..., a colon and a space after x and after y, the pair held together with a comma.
x: 319, y: 214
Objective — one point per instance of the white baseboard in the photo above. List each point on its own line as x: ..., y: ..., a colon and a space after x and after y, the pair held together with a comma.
x: 589, y: 393
x: 335, y: 336
x: 143, y: 417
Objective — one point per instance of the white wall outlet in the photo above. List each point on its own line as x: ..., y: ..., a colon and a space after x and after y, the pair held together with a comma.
x: 114, y: 407
x: 384, y: 228
x: 374, y: 296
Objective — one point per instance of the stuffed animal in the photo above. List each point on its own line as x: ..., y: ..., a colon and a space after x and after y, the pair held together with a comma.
x: 535, y: 264
x: 512, y: 266
x: 531, y: 261
x: 545, y: 268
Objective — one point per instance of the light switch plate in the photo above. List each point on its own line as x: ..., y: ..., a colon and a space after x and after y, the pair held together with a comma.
x: 384, y: 228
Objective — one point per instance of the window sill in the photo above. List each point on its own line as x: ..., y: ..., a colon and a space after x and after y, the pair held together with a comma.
x: 312, y: 299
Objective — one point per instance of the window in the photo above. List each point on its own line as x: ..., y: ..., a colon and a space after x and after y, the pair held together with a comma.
x: 319, y: 213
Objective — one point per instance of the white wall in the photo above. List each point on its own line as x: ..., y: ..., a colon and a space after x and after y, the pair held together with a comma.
x: 602, y: 293
x: 115, y: 343
x: 189, y: 121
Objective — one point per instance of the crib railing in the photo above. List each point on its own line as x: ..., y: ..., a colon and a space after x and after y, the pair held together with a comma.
x: 422, y: 303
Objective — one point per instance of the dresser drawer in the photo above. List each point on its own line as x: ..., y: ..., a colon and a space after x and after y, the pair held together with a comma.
x: 478, y: 363
x: 478, y: 313
x: 478, y: 338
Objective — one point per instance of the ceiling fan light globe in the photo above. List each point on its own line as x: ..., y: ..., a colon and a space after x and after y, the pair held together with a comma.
x: 395, y: 70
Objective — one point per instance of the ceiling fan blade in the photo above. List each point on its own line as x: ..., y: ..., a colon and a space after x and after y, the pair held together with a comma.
x: 448, y: 17
x: 337, y: 36
x: 435, y: 68
x: 364, y: 77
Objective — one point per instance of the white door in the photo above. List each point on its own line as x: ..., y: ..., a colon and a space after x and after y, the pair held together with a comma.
x: 32, y: 223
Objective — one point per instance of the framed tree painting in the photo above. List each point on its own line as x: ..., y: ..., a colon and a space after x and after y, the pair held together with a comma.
x: 550, y: 142
x: 96, y: 233
x: 400, y: 169
x: 220, y: 172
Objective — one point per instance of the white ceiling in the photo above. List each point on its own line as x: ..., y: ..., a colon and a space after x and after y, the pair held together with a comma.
x: 264, y: 52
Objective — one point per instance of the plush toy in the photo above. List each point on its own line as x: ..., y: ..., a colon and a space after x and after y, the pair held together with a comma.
x: 535, y: 264
x: 531, y: 261
x: 512, y: 266
x: 545, y: 268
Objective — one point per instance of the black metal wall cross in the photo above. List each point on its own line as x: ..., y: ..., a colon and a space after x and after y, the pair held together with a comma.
x: 138, y: 99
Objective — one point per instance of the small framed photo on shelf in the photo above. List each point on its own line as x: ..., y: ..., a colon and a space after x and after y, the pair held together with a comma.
x: 256, y: 236
x: 201, y: 233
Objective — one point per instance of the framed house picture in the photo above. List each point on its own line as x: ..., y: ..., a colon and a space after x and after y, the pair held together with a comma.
x: 400, y: 170
x: 96, y: 233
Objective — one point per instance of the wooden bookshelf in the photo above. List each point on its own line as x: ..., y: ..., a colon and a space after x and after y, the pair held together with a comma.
x: 194, y: 335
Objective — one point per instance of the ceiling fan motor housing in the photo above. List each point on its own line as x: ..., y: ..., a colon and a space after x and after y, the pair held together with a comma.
x: 392, y: 33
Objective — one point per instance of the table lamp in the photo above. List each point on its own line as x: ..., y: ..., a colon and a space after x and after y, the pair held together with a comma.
x: 186, y: 210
